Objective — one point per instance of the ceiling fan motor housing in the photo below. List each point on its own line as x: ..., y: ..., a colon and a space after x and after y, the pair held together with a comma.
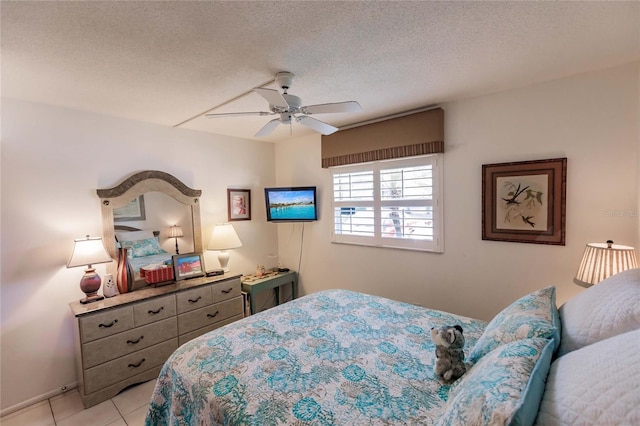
x: 284, y: 79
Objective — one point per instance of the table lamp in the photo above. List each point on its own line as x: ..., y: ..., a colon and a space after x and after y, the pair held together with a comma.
x: 175, y: 231
x: 600, y: 261
x: 224, y: 238
x: 87, y: 252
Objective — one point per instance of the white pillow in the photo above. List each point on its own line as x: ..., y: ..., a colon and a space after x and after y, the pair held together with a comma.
x: 607, y: 309
x: 595, y: 385
x: 133, y: 235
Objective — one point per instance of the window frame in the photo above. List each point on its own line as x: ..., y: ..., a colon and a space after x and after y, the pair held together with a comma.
x: 378, y: 240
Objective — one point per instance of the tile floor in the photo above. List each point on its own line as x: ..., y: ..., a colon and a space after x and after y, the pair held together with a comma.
x: 128, y: 408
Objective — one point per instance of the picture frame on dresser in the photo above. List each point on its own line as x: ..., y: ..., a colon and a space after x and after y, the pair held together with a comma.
x: 190, y: 265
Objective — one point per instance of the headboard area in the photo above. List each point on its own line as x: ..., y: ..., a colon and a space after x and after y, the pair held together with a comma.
x: 125, y: 228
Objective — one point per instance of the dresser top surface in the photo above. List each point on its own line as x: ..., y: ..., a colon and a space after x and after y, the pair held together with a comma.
x: 80, y: 309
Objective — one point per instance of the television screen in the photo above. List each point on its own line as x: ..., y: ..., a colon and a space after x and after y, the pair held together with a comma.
x: 293, y: 204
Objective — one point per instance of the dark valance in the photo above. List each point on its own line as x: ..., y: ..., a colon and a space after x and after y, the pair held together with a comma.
x: 410, y: 135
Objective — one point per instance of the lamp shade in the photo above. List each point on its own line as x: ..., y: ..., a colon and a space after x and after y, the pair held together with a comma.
x: 602, y: 260
x: 88, y: 251
x: 175, y: 231
x: 224, y: 237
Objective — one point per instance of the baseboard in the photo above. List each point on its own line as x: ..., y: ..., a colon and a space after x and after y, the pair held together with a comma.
x: 36, y: 399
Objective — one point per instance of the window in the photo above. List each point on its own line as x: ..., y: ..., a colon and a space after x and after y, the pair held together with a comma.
x: 391, y: 203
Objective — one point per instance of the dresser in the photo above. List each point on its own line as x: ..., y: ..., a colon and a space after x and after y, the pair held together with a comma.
x: 124, y: 340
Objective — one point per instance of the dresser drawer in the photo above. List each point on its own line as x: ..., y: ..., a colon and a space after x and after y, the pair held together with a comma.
x: 184, y: 338
x: 97, y: 326
x: 112, y: 347
x: 226, y: 290
x: 194, y: 299
x: 154, y: 310
x: 120, y: 369
x: 209, y: 315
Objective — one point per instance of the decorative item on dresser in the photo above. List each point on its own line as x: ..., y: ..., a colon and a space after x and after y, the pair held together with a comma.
x: 187, y: 266
x: 125, y: 339
x: 86, y: 252
x: 224, y: 238
x: 124, y: 276
x: 109, y: 289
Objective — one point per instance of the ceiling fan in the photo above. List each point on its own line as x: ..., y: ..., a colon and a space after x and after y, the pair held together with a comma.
x: 288, y: 106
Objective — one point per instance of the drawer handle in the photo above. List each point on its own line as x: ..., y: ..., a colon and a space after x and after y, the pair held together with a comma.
x: 156, y: 312
x: 135, y: 341
x: 227, y: 291
x: 195, y: 300
x: 108, y: 325
x: 138, y: 364
x: 213, y: 315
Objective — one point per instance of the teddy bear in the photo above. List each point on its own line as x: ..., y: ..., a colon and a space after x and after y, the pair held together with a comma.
x: 449, y: 352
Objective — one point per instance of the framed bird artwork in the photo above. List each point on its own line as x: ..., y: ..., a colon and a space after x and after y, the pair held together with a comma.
x: 525, y: 201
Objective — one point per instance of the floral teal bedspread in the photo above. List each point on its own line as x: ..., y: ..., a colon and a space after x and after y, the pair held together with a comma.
x: 334, y: 357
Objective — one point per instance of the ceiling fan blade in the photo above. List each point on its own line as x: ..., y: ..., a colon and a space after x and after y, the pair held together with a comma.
x: 268, y: 128
x: 349, y: 106
x: 317, y: 125
x: 237, y: 114
x: 272, y: 96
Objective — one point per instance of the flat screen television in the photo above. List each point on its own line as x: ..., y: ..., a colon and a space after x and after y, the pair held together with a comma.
x: 291, y: 204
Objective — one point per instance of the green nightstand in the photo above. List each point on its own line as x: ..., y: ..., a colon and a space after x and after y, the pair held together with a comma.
x: 253, y: 286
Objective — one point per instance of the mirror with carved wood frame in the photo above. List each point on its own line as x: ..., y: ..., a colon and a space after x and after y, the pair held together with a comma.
x: 142, y: 183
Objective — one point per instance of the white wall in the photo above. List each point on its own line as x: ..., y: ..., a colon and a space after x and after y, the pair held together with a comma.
x: 592, y: 119
x: 53, y: 160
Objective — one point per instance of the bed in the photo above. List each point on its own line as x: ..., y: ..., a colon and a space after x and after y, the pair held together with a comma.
x: 339, y: 357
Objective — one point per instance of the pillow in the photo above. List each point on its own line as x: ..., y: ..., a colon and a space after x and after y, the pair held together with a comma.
x: 133, y: 235
x: 607, y: 309
x: 595, y: 385
x: 504, y: 387
x: 534, y: 315
x: 146, y: 247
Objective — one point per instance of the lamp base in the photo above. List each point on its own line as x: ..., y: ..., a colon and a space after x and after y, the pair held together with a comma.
x: 90, y: 298
x: 90, y: 284
x: 223, y: 259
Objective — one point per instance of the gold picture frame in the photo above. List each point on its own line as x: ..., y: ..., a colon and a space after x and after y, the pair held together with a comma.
x: 525, y: 201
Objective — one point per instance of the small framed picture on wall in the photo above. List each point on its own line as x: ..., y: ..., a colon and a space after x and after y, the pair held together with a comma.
x: 238, y: 204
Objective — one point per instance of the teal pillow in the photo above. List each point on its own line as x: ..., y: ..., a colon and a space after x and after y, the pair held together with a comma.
x: 142, y: 248
x: 505, y: 387
x: 533, y: 315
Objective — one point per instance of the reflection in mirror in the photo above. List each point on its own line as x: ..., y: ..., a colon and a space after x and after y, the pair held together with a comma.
x: 161, y: 213
x: 162, y: 202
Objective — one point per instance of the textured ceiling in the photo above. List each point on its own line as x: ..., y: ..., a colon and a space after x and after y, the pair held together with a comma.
x: 165, y: 62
